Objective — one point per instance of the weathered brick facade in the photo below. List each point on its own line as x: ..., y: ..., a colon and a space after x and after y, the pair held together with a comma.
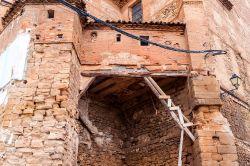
x: 56, y: 118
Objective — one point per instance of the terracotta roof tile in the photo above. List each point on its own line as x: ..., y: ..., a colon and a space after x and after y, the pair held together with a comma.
x: 139, y: 23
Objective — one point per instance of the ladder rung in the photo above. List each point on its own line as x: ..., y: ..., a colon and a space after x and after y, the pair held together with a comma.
x: 169, y: 103
x: 164, y: 97
x: 174, y: 108
x: 188, y: 124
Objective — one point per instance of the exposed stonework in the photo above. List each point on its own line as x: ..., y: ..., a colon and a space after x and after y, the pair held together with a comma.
x: 215, y: 144
x: 39, y: 111
x: 122, y: 124
x: 135, y: 135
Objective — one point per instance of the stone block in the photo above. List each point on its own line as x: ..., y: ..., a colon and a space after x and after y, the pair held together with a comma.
x: 61, y: 98
x: 229, y: 163
x: 28, y: 111
x: 49, y: 123
x: 39, y: 98
x: 43, y: 106
x: 60, y: 111
x: 38, y: 117
x: 60, y: 85
x: 36, y: 143
x: 22, y: 143
x: 206, y: 156
x: 205, y: 133
x: 227, y: 149
x: 40, y: 153
x: 208, y: 149
x: 227, y: 140
x: 210, y: 163
x: 44, y: 85
x: 56, y: 136
x: 216, y: 157
x: 205, y: 141
x: 55, y: 92
x: 25, y: 150
x: 230, y: 157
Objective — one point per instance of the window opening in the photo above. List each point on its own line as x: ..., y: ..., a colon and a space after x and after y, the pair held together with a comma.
x: 51, y: 13
x: 118, y: 37
x: 144, y: 43
x: 38, y: 37
x: 137, y: 12
x: 60, y: 36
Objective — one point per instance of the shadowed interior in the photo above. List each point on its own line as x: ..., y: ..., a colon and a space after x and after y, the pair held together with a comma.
x: 135, y: 128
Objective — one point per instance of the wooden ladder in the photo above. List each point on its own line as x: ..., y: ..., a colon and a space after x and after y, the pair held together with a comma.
x: 181, y: 120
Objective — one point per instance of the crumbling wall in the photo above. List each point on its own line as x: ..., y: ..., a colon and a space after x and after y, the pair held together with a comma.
x: 38, y: 110
x: 106, y: 148
x: 144, y: 134
x: 153, y: 135
x: 41, y: 110
x: 154, y: 138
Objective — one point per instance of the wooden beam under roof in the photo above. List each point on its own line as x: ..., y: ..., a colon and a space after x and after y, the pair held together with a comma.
x: 132, y: 73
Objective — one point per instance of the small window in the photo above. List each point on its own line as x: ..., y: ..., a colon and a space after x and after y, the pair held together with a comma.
x: 144, y: 43
x: 93, y: 36
x: 137, y: 12
x: 38, y: 37
x: 51, y: 13
x: 60, y: 36
x: 118, y: 38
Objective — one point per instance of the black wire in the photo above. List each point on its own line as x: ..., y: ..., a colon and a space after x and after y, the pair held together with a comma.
x: 6, y: 2
x: 84, y: 13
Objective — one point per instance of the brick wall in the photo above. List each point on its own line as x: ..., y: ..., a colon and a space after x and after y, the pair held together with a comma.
x: 136, y: 135
x: 215, y: 143
x: 38, y: 111
x: 41, y: 110
x: 105, y: 149
x: 100, y: 47
x: 238, y: 117
x: 154, y: 138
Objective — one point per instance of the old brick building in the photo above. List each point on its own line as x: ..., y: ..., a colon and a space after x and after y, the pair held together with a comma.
x: 75, y: 92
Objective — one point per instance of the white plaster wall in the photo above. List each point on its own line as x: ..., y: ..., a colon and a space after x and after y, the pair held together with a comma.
x: 12, y: 62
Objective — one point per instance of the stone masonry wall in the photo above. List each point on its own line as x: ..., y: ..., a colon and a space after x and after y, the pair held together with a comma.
x: 154, y: 138
x: 138, y: 135
x: 215, y: 143
x: 40, y: 110
x: 153, y: 135
x: 107, y: 149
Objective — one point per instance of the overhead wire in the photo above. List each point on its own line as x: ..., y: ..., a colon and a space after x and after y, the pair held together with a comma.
x: 86, y: 14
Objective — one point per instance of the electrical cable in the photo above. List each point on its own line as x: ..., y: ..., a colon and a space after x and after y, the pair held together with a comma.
x: 85, y: 14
